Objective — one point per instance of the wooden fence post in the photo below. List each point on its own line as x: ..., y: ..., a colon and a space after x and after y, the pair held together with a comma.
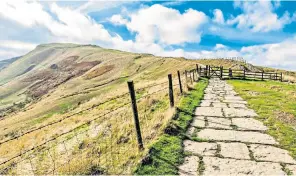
x: 180, y: 83
x: 230, y: 73
x: 262, y: 74
x: 206, y: 71
x: 281, y: 77
x: 209, y: 72
x: 276, y: 76
x: 221, y: 72
x: 193, y: 75
x: 196, y: 68
x: 244, y: 73
x: 190, y: 77
x: 135, y: 112
x: 171, y: 93
x: 200, y: 70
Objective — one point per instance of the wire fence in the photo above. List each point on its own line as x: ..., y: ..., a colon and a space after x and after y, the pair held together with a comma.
x: 104, y: 144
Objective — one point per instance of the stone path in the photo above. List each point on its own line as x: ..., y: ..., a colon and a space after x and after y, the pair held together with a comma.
x: 231, y: 142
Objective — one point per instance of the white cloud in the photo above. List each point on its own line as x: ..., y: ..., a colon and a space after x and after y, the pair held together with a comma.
x: 220, y: 46
x: 278, y: 55
x: 218, y: 16
x: 259, y: 16
x: 117, y: 20
x: 11, y: 48
x: 11, y: 44
x: 95, y: 6
x: 166, y: 25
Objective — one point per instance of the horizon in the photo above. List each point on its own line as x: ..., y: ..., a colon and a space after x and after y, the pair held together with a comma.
x: 259, y: 31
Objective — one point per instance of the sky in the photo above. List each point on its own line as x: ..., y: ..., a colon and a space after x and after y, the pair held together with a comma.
x: 262, y: 32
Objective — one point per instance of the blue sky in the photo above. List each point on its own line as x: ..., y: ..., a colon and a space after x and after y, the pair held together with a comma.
x: 262, y: 32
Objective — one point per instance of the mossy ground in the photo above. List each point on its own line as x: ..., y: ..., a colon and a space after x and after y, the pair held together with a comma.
x: 167, y: 153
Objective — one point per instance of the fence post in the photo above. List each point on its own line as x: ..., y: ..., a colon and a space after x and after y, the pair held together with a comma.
x: 200, y: 70
x: 276, y: 77
x: 190, y: 77
x: 206, y: 71
x: 221, y: 72
x: 244, y: 73
x: 230, y: 73
x: 135, y: 112
x: 209, y: 72
x: 262, y: 74
x: 196, y: 68
x: 180, y: 83
x: 193, y: 75
x: 171, y: 93
x: 281, y: 77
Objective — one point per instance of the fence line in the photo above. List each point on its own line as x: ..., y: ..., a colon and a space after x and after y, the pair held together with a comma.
x: 105, y: 145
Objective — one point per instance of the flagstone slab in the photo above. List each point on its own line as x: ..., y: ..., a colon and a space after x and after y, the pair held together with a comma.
x: 199, y: 121
x: 237, y: 105
x: 220, y: 166
x: 271, y: 153
x: 200, y: 148
x: 190, y: 166
x: 235, y: 101
x: 234, y: 112
x: 230, y: 97
x: 219, y: 105
x: 239, y: 136
x: 208, y: 111
x: 234, y: 150
x: 248, y: 124
x: 221, y: 123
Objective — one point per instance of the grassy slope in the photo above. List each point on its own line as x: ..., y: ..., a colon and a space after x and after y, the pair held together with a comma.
x: 275, y: 103
x: 78, y: 94
x: 167, y: 153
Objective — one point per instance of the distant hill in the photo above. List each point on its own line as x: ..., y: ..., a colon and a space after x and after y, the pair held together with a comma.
x: 5, y: 63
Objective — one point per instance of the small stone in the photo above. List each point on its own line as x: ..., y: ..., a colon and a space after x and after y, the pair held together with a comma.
x: 190, y: 166
x: 270, y: 153
x: 208, y: 111
x: 292, y: 168
x: 219, y: 105
x: 234, y: 150
x: 198, y: 121
x: 221, y: 123
x: 190, y: 131
x: 248, y: 124
x: 200, y: 148
x: 222, y: 166
x: 236, y: 136
x: 233, y: 112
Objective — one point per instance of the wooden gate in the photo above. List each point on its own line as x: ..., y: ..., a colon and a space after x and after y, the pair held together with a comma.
x: 215, y: 72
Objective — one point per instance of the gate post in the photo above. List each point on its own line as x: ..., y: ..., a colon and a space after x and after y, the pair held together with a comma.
x: 221, y: 72
x: 230, y: 73
x: 209, y: 73
x: 281, y: 77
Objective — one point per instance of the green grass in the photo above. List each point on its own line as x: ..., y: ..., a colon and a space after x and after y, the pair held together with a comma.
x: 275, y: 103
x: 167, y: 152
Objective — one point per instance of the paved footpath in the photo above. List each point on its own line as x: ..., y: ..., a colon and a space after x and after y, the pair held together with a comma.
x: 235, y: 143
